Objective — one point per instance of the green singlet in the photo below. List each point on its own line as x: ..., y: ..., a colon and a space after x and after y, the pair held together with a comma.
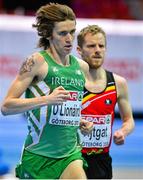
x: 52, y: 129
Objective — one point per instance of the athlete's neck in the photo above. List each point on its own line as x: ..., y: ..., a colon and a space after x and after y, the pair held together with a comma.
x: 97, y: 74
x: 58, y: 58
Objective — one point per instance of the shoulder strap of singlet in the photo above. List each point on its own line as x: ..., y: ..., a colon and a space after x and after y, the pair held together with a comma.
x: 46, y: 56
x: 110, y: 78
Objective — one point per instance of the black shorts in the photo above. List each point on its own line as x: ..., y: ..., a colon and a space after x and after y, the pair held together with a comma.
x: 99, y: 166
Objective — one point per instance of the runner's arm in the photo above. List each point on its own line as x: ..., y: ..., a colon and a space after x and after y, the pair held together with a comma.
x: 124, y: 110
x: 14, y: 104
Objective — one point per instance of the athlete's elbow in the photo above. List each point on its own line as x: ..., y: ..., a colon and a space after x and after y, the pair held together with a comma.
x: 131, y: 126
x: 4, y: 110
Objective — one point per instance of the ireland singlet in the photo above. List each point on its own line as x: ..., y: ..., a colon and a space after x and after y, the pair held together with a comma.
x: 53, y: 128
x: 99, y: 108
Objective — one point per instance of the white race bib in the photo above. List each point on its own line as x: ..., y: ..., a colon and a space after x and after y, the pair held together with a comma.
x: 69, y: 113
x: 101, y: 133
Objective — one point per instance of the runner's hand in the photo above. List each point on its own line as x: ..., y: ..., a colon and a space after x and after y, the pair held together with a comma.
x: 58, y: 96
x: 119, y: 137
x: 86, y: 127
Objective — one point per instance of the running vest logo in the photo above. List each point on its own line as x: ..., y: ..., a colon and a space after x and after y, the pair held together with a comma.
x: 98, y: 119
x: 108, y: 102
x: 78, y: 72
x: 108, y: 119
x: 55, y: 69
x: 26, y: 175
x: 68, y: 81
x: 74, y: 96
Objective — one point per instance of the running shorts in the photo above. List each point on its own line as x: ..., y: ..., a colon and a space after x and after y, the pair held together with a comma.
x: 35, y: 166
x: 99, y: 166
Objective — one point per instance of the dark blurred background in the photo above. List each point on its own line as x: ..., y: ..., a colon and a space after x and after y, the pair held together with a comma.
x: 108, y: 9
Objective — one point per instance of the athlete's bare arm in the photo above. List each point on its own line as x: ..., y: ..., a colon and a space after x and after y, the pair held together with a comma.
x: 33, y: 68
x: 124, y: 109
